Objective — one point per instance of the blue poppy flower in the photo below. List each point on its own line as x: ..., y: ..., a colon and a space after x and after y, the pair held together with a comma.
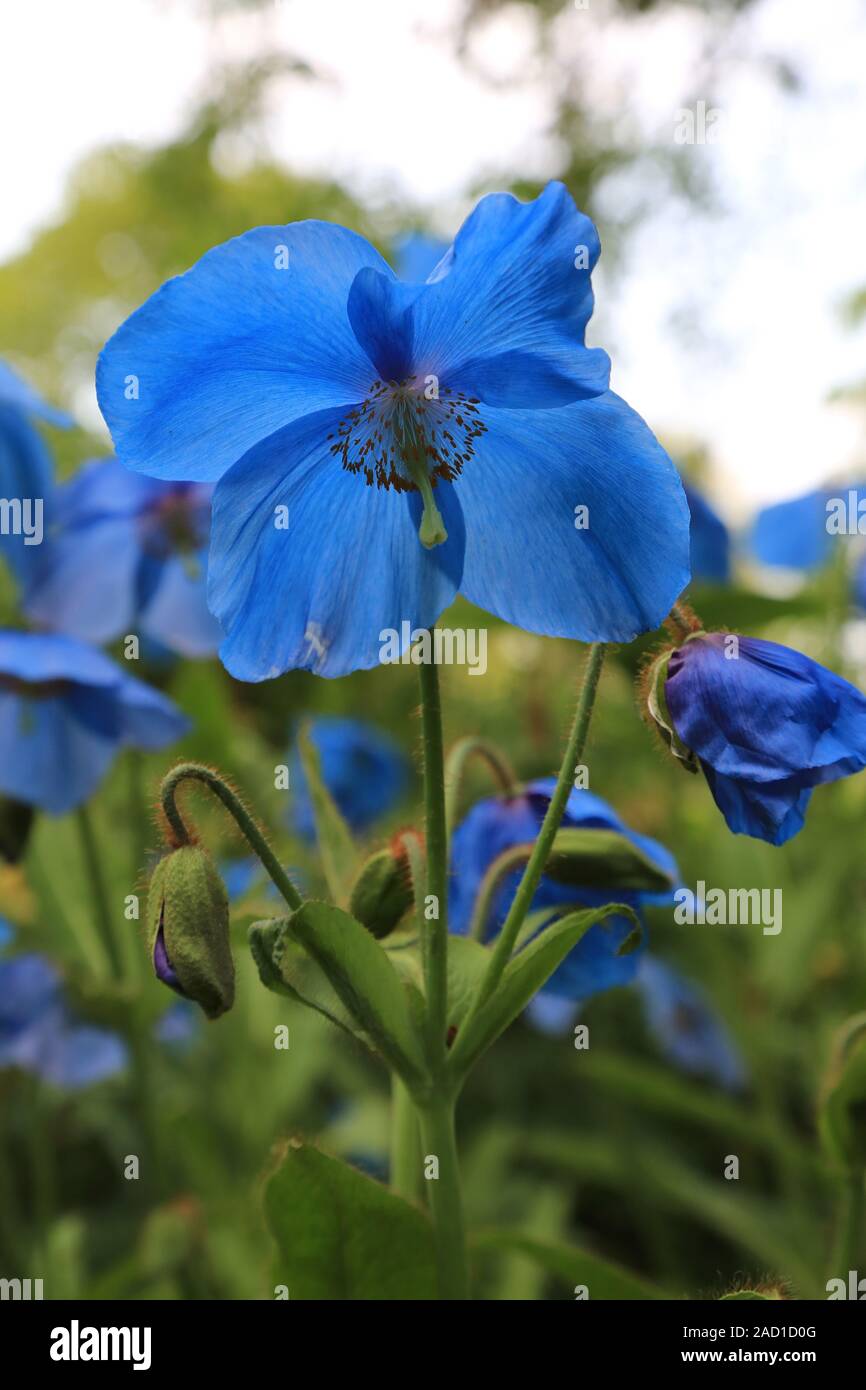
x: 39, y: 1033
x: 793, y: 534
x: 127, y: 553
x: 26, y: 470
x: 65, y: 711
x: 416, y: 255
x: 501, y: 823
x: 709, y: 542
x: 686, y: 1028
x: 365, y: 772
x: 767, y: 724
x: 380, y: 445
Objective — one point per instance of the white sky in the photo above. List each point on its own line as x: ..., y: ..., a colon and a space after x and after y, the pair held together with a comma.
x: 762, y: 279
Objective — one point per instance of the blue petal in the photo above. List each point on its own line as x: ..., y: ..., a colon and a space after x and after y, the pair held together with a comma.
x: 80, y: 1055
x: 86, y: 584
x: 177, y: 614
x: 505, y: 318
x: 29, y: 984
x: 768, y: 715
x: 488, y: 829
x: 527, y: 561
x: 148, y: 719
x: 793, y: 534
x: 685, y: 1026
x: 770, y: 811
x: 364, y: 771
x: 550, y: 1014
x: 709, y: 541
x: 16, y: 393
x: 236, y: 349
x: 595, y: 965
x: 58, y: 739
x: 55, y: 750
x: 26, y: 475
x: 38, y: 657
x: 320, y: 594
x: 512, y: 288
x: 417, y: 255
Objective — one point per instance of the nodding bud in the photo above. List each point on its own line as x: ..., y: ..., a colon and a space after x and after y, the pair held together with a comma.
x: 188, y: 929
x: 382, y: 893
x: 657, y: 707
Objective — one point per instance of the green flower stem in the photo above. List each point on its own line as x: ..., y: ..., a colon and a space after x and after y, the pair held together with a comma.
x: 434, y: 938
x: 101, y: 908
x: 506, y: 939
x: 197, y: 772
x: 848, y: 1251
x: 405, y: 1174
x: 682, y: 619
x: 457, y: 763
x: 446, y: 1203
x: 502, y: 866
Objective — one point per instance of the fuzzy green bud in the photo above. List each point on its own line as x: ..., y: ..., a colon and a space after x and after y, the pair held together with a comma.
x: 188, y: 929
x: 382, y: 892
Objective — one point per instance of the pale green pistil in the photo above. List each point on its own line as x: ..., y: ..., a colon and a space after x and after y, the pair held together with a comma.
x: 410, y: 445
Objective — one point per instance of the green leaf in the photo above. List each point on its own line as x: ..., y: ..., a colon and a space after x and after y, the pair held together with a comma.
x: 842, y: 1116
x: 340, y: 1235
x: 285, y: 968
x: 576, y: 1268
x: 604, y: 859
x: 524, y: 976
x: 467, y: 962
x: 337, y: 850
x: 365, y: 982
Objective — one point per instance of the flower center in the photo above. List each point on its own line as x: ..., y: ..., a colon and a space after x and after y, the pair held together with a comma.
x: 175, y: 524
x: 408, y: 435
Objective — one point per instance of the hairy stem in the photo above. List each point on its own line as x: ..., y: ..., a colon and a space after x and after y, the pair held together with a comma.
x: 196, y: 772
x: 434, y: 932
x: 522, y: 901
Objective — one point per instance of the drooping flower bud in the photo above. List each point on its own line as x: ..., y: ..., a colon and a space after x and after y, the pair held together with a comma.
x: 382, y: 892
x: 188, y: 929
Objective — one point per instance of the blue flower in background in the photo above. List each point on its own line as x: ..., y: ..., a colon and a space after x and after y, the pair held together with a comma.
x: 26, y: 470
x: 793, y: 534
x: 498, y: 824
x: 686, y: 1028
x: 179, y: 1026
x: 39, y: 1033
x: 364, y: 770
x: 127, y: 554
x: 709, y: 542
x: 768, y: 726
x: 379, y: 445
x: 416, y: 255
x: 65, y: 711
